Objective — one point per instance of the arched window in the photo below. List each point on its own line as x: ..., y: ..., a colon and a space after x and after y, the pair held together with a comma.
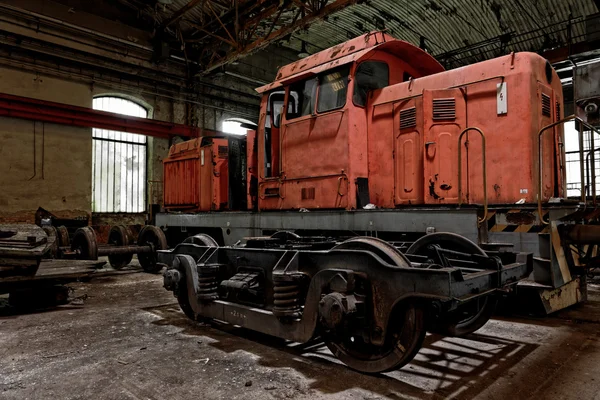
x: 119, y: 162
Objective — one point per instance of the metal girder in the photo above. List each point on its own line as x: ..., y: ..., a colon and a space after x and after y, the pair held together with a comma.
x: 229, y: 30
x: 64, y: 114
x: 273, y: 35
x: 177, y: 15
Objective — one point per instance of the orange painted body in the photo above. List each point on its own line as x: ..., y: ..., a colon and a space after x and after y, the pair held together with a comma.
x: 397, y: 145
x: 404, y: 141
x: 425, y: 156
x: 196, y: 175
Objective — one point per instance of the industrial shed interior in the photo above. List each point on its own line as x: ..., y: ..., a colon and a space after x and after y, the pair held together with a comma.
x: 299, y: 199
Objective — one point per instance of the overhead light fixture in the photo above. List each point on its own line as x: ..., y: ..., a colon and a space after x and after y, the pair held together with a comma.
x: 303, y: 52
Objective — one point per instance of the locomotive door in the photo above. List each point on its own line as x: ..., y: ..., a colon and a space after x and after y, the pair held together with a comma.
x: 408, y: 156
x: 444, y: 113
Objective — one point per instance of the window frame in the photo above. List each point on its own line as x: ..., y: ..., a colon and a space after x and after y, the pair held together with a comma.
x: 320, y: 76
x: 355, y: 80
x: 288, y: 91
x: 101, y: 139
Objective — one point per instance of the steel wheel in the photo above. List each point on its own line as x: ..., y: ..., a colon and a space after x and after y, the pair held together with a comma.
x: 471, y: 316
x: 406, y: 327
x: 286, y: 236
x: 202, y: 239
x: 381, y: 248
x: 406, y: 331
x: 84, y: 241
x: 120, y: 235
x: 153, y: 236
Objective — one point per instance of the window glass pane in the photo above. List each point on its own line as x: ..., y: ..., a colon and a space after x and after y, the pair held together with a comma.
x: 277, y: 108
x: 370, y: 75
x: 119, y: 162
x: 302, y: 98
x: 333, y: 89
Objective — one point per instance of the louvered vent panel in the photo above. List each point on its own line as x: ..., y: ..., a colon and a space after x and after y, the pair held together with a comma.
x: 546, y: 105
x: 408, y: 118
x: 557, y: 111
x: 444, y: 109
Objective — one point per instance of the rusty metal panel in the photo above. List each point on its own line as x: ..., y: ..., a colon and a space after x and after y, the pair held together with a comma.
x: 196, y: 175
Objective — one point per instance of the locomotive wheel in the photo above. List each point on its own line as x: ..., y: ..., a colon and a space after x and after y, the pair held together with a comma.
x: 285, y: 236
x: 84, y: 240
x: 120, y: 235
x: 182, y: 293
x: 406, y: 329
x: 469, y: 317
x: 153, y: 236
x: 405, y: 334
x: 381, y: 248
x: 202, y: 239
x: 63, y: 236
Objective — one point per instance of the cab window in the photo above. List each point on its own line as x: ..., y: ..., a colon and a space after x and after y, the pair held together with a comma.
x: 301, y: 100
x: 370, y: 75
x: 333, y: 87
x: 274, y: 106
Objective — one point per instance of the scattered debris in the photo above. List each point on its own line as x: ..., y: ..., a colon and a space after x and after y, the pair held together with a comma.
x: 270, y: 387
x: 78, y: 301
x: 57, y: 354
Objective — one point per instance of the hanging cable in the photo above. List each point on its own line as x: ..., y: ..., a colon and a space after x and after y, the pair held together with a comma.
x: 34, y: 155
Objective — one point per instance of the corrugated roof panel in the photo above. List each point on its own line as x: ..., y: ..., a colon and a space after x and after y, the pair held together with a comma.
x: 458, y: 32
x: 448, y: 25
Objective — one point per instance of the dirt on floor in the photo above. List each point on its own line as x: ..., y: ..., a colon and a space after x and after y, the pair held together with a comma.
x: 129, y: 340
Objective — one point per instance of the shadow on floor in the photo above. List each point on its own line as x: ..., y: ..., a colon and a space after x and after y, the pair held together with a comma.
x: 444, y: 367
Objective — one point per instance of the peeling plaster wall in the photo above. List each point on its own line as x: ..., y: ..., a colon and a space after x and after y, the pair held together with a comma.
x: 61, y: 179
x: 58, y: 178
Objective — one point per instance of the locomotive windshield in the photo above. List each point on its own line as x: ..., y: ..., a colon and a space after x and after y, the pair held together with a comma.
x: 333, y: 89
x: 369, y: 75
x: 305, y: 92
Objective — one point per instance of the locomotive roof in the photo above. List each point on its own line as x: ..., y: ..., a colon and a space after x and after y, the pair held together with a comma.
x: 350, y: 51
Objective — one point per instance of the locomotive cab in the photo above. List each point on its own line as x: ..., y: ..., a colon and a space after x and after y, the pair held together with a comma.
x: 378, y: 120
x: 312, y: 142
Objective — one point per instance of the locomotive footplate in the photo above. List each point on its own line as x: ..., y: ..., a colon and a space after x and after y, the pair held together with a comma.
x: 369, y: 302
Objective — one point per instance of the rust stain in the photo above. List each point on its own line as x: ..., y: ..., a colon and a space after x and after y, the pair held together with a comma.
x: 520, y: 218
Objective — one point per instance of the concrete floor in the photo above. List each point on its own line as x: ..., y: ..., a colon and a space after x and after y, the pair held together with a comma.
x: 130, y: 341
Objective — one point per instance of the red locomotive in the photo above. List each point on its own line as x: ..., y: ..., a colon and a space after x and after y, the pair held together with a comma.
x: 377, y: 120
x: 462, y: 173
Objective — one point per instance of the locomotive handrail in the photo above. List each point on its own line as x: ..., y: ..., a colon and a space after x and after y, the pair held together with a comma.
x: 582, y: 124
x: 485, y: 198
x: 588, y: 174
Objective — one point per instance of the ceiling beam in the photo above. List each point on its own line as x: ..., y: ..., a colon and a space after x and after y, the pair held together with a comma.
x: 280, y: 33
x: 177, y: 15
